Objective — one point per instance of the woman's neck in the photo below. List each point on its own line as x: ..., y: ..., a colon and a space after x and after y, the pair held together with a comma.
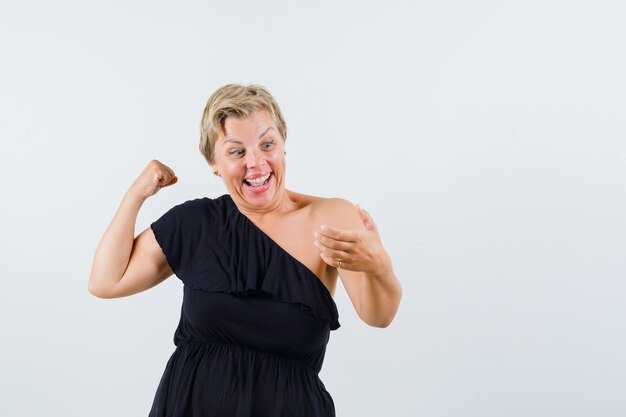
x: 284, y: 203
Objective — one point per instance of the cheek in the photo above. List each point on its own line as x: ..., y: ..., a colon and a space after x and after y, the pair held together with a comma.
x: 239, y: 171
x: 276, y: 160
x: 233, y: 169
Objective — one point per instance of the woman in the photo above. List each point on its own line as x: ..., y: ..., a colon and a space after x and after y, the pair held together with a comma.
x: 259, y: 267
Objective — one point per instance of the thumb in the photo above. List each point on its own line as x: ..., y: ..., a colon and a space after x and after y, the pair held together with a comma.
x: 167, y: 180
x: 368, y: 222
x: 173, y: 181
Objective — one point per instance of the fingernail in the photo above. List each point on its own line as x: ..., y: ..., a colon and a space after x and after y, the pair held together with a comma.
x: 316, y: 243
x: 316, y: 234
x: 324, y: 227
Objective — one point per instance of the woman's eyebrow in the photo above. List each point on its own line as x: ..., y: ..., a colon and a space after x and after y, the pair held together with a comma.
x: 266, y: 130
x: 240, y: 142
x: 233, y: 140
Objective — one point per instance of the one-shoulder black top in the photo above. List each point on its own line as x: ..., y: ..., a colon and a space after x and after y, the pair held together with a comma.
x: 254, y: 321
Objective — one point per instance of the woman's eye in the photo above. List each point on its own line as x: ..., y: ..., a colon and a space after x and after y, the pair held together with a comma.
x: 268, y: 144
x: 236, y: 152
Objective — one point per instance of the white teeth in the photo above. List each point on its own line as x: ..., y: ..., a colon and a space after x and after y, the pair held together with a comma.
x: 259, y: 180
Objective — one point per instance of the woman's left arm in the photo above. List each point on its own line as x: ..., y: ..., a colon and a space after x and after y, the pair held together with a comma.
x: 363, y: 265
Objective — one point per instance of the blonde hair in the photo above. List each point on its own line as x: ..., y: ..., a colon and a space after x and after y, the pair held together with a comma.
x: 235, y: 100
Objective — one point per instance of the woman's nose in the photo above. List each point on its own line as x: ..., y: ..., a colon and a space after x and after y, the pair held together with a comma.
x: 253, y: 158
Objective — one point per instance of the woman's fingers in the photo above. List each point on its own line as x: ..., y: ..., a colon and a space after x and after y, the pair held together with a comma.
x: 173, y: 180
x: 331, y: 243
x: 357, y: 250
x: 337, y: 263
x: 339, y: 234
x: 333, y: 253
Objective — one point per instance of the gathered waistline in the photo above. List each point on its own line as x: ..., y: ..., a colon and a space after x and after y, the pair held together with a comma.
x: 249, y: 348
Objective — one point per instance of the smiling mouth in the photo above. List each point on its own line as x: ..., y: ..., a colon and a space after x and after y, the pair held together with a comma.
x: 258, y: 182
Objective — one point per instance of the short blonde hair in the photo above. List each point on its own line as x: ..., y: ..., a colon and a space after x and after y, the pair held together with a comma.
x: 235, y: 100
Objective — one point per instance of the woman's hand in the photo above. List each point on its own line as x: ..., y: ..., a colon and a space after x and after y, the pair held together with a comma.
x: 154, y: 177
x: 354, y: 250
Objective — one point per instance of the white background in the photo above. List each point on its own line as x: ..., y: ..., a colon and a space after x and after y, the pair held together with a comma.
x: 486, y: 138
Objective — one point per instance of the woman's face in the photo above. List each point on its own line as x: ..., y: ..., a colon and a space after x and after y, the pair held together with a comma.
x: 250, y: 158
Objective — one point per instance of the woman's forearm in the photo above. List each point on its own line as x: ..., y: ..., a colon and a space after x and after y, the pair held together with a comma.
x: 380, y: 298
x: 113, y: 251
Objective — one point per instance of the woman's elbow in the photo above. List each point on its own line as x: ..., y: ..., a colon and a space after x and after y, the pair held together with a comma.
x: 97, y: 291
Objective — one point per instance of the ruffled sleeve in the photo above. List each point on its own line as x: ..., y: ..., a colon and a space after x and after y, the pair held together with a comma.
x: 176, y: 232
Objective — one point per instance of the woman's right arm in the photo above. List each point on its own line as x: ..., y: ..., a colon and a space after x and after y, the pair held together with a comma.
x: 123, y: 264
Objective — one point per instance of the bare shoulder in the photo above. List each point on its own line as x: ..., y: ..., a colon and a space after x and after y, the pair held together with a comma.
x: 334, y: 211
